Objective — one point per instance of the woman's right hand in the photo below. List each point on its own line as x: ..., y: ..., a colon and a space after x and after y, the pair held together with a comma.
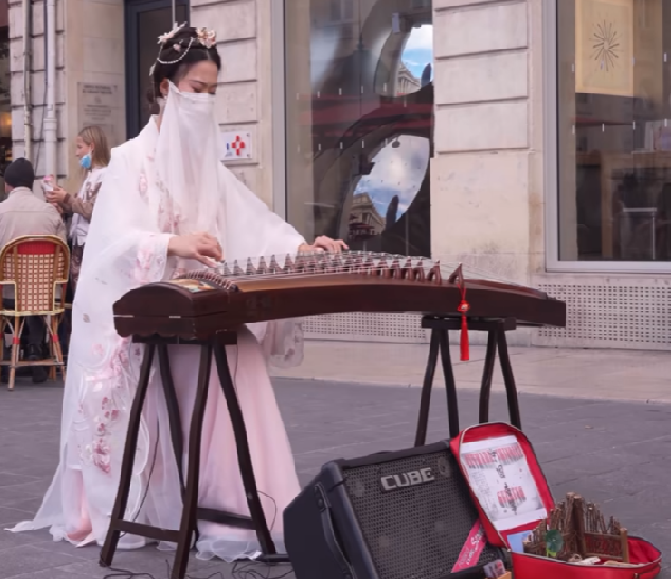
x: 201, y: 247
x: 57, y: 195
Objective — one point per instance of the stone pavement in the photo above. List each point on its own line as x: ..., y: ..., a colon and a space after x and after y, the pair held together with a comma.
x: 603, y: 374
x: 615, y: 453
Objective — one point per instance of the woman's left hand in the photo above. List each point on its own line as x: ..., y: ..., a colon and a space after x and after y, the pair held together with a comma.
x: 323, y: 243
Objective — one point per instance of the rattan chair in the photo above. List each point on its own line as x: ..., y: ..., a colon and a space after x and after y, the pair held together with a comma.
x: 36, y: 267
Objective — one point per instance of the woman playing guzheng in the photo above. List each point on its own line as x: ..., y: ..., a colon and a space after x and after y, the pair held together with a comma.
x: 168, y: 205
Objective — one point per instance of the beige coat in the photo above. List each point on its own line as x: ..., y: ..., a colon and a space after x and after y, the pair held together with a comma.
x: 23, y: 213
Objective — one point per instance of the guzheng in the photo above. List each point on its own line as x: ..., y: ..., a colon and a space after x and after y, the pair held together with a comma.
x: 199, y: 304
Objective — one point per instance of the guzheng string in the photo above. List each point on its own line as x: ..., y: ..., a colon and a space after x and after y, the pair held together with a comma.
x: 351, y: 262
x: 325, y: 263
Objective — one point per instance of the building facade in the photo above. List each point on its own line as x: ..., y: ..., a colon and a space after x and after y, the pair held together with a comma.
x: 525, y: 138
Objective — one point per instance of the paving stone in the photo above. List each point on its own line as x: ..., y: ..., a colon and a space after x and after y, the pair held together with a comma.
x: 613, y: 453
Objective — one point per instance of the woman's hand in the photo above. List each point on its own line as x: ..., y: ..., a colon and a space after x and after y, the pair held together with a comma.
x: 326, y: 244
x: 201, y: 247
x: 58, y: 195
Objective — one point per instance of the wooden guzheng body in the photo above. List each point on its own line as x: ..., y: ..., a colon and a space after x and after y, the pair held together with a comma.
x: 207, y: 301
x: 205, y: 308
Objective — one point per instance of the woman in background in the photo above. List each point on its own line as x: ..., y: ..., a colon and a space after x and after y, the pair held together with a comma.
x: 93, y: 152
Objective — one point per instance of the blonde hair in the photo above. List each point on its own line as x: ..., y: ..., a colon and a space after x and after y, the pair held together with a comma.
x: 95, y: 137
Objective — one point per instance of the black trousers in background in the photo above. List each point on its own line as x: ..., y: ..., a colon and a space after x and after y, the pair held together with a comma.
x: 34, y: 330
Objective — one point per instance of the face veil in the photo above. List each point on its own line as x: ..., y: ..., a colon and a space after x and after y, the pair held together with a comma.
x: 187, y: 160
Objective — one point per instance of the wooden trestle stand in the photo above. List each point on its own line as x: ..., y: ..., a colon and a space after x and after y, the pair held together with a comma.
x: 191, y: 511
x: 216, y: 349
x: 440, y: 345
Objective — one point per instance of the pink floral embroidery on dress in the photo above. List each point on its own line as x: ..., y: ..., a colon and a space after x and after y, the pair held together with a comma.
x: 106, y: 380
x: 150, y: 262
x: 143, y: 186
x: 100, y: 455
x: 168, y: 215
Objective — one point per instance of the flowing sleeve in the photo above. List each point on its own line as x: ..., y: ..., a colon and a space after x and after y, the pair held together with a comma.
x: 124, y: 249
x: 253, y: 230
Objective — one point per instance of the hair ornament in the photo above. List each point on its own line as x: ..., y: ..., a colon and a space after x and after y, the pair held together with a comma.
x: 208, y: 38
x: 170, y: 35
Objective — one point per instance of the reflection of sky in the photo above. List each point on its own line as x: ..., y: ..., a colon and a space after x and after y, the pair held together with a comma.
x: 397, y: 171
x: 419, y: 49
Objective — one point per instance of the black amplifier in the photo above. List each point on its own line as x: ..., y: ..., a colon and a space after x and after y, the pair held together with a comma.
x: 395, y: 515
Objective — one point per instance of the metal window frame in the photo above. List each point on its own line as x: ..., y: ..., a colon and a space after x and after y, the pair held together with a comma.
x: 279, y: 113
x: 550, y: 178
x: 132, y: 10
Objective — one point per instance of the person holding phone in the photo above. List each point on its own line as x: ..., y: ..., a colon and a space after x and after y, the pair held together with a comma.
x: 93, y: 152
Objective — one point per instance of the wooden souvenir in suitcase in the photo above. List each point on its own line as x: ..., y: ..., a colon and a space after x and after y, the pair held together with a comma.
x: 524, y: 499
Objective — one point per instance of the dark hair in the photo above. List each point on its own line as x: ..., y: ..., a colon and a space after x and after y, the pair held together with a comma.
x: 20, y: 173
x: 185, y: 44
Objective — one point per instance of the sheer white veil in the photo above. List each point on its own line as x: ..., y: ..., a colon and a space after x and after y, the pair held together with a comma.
x: 187, y: 163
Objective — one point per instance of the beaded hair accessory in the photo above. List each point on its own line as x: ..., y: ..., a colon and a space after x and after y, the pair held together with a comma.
x: 205, y: 37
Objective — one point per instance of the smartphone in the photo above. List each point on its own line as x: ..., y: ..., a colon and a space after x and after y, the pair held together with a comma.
x: 47, y: 185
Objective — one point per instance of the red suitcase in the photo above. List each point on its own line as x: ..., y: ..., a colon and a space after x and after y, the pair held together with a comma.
x: 470, y: 449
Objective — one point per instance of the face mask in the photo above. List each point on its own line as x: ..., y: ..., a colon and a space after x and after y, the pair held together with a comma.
x: 85, y: 161
x: 196, y: 110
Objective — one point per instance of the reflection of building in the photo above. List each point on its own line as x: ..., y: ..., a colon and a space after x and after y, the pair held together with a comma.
x: 406, y: 82
x: 364, y: 220
x: 5, y: 93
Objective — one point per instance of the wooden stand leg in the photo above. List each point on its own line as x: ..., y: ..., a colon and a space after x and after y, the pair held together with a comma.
x: 16, y: 346
x: 244, y: 456
x: 450, y: 385
x: 509, y: 381
x: 121, y: 502
x: 425, y: 402
x: 174, y: 417
x: 190, y: 507
x: 487, y: 376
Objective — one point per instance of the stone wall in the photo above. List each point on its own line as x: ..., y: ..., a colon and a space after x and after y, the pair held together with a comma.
x: 90, y: 46
x: 244, y: 100
x: 486, y: 175
x: 38, y: 79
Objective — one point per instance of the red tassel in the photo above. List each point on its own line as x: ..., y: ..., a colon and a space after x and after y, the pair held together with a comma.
x: 463, y: 308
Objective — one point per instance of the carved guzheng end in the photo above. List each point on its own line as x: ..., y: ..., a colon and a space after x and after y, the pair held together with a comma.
x: 262, y: 289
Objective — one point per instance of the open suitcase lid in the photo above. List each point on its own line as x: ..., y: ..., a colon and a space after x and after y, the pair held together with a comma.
x: 505, y: 479
x: 513, y: 496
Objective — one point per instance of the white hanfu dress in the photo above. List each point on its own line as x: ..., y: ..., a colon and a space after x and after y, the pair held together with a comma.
x: 134, y: 217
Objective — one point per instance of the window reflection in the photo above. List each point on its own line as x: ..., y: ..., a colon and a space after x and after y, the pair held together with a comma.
x: 6, y: 149
x: 614, y: 129
x: 379, y: 219
x: 359, y: 121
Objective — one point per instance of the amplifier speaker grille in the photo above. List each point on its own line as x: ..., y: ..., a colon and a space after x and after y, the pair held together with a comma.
x: 416, y: 531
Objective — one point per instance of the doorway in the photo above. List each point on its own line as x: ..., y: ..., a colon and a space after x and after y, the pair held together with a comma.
x: 146, y: 20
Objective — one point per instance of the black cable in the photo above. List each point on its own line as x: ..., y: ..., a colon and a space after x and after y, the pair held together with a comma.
x: 151, y: 471
x: 241, y: 570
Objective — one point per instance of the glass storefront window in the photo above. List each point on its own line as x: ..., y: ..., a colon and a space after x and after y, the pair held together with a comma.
x: 614, y: 130
x: 359, y: 124
x: 5, y: 93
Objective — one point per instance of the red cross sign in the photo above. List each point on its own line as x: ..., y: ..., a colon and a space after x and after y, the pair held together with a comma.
x: 238, y: 145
